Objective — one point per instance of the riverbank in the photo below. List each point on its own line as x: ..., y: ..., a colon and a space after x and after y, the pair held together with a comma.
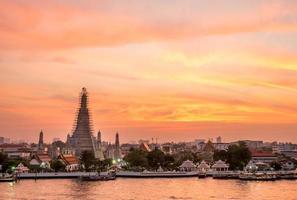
x: 149, y: 174
x: 56, y: 175
x: 123, y: 174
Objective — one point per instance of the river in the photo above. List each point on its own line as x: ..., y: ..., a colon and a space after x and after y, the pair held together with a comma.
x: 138, y: 189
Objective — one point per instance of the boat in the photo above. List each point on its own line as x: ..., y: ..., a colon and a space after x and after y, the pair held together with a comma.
x: 225, y: 175
x: 7, y: 179
x: 202, y: 175
x: 97, y: 178
x: 257, y: 176
x: 289, y: 175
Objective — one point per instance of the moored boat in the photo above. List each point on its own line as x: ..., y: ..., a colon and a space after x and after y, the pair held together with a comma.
x: 258, y: 176
x: 225, y: 175
x: 202, y: 175
x: 97, y: 178
x: 287, y: 175
x: 7, y: 178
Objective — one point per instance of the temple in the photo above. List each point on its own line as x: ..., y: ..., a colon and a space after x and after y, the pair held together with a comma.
x: 40, y: 142
x: 99, y: 151
x: 82, y: 138
x: 117, y: 153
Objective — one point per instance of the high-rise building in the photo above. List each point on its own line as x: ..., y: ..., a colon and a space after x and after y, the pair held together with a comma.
x: 82, y: 137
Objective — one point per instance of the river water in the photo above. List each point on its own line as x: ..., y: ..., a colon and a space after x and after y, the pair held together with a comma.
x: 138, y: 189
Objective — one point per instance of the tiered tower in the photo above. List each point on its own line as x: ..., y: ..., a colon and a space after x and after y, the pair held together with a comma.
x: 40, y: 142
x: 82, y: 137
x: 99, y: 151
x: 117, y: 152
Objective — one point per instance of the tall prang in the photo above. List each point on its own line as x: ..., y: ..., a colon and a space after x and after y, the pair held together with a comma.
x: 40, y: 141
x: 82, y: 138
x: 99, y: 151
x: 117, y: 152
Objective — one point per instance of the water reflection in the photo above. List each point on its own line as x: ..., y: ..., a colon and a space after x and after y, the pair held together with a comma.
x: 130, y: 189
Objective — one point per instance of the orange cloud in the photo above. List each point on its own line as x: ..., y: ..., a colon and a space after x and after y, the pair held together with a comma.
x: 56, y: 25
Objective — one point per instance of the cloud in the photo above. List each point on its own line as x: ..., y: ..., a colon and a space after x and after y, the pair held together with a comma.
x: 53, y: 25
x: 62, y: 60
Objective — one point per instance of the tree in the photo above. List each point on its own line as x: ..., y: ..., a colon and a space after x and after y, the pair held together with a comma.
x: 209, y: 147
x: 87, y: 159
x: 276, y: 165
x: 3, y: 158
x: 137, y: 158
x: 102, y: 165
x: 57, y: 165
x: 8, y: 165
x: 169, y: 162
x: 59, y: 144
x: 155, y: 159
x: 238, y: 156
x: 182, y: 156
x: 220, y: 155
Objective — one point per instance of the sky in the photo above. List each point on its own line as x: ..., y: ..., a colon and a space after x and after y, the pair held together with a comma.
x: 168, y: 69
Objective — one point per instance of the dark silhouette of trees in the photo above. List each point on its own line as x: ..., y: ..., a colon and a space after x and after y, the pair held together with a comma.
x: 137, y: 158
x: 87, y: 159
x: 155, y: 159
x: 57, y: 166
x: 237, y: 156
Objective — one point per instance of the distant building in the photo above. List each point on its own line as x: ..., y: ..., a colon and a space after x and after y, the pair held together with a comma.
x: 282, y: 147
x: 70, y: 161
x: 125, y: 148
x: 290, y: 153
x: 40, y: 160
x: 166, y: 148
x: 16, y: 150
x: 253, y: 144
x: 145, y: 147
x: 219, y: 139
x: 4, y: 140
x: 187, y: 166
x: 143, y: 141
x: 221, y: 146
x: 265, y: 157
x: 68, y: 149
x: 109, y: 152
x: 220, y: 166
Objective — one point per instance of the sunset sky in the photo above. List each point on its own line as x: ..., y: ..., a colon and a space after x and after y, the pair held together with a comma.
x: 175, y: 70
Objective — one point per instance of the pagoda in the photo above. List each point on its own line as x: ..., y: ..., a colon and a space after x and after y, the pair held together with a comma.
x: 82, y: 138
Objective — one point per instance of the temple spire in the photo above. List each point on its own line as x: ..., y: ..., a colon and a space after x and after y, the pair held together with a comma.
x: 99, y: 137
x: 82, y: 137
x: 117, y: 153
x: 99, y: 152
x: 40, y: 142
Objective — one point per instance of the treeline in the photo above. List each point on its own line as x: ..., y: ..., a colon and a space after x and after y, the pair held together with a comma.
x: 237, y: 156
x: 138, y: 159
x: 87, y: 162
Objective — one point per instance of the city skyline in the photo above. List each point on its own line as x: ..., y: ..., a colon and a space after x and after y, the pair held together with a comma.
x: 174, y: 71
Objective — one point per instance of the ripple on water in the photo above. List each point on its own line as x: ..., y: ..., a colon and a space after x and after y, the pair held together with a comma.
x: 149, y: 189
